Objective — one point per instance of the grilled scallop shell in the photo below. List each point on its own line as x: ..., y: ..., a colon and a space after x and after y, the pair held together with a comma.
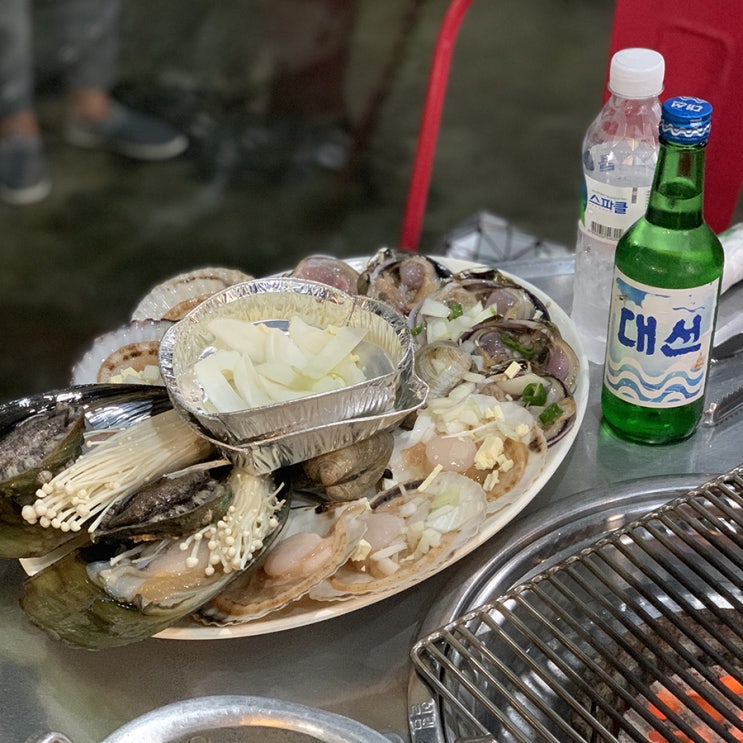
x: 174, y: 298
x: 255, y: 594
x: 134, y: 345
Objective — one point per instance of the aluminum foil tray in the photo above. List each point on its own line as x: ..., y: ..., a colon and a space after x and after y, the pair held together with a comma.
x: 268, y: 454
x: 275, y: 301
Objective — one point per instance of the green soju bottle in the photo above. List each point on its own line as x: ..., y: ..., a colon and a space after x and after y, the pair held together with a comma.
x: 666, y: 283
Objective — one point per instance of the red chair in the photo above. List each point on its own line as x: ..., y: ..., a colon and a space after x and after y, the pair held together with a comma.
x: 702, y: 43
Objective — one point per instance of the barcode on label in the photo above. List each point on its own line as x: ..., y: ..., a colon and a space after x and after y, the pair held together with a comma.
x: 608, y: 233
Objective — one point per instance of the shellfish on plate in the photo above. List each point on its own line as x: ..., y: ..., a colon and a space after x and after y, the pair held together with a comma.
x: 313, y: 546
x: 137, y: 525
x: 41, y: 435
x: 353, y: 587
x: 173, y: 298
x: 356, y: 548
x: 328, y: 270
x: 127, y: 355
x: 401, y: 280
x: 98, y: 598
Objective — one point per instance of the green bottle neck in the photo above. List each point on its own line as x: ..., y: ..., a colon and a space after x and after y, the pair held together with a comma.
x: 677, y: 195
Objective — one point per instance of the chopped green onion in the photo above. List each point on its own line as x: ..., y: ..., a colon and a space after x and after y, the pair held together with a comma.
x: 550, y: 414
x: 534, y: 393
x: 417, y: 330
x: 513, y: 343
x: 456, y: 310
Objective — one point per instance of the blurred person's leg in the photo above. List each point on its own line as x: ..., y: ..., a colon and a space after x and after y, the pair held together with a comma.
x: 16, y: 58
x: 88, y: 53
x: 23, y: 172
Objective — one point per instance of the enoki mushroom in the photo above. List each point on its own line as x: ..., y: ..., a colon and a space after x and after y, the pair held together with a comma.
x: 113, y: 468
x: 239, y: 534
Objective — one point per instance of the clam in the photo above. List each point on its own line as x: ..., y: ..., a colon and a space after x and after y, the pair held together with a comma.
x: 540, y: 343
x: 547, y: 398
x: 510, y: 300
x: 402, y: 281
x: 442, y: 365
x: 328, y: 270
x: 174, y: 298
x: 109, y: 596
x: 489, y: 291
x: 351, y: 472
x: 557, y: 418
x: 127, y: 355
x: 465, y: 301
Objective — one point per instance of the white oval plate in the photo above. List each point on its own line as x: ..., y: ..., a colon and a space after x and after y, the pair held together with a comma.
x: 306, y: 611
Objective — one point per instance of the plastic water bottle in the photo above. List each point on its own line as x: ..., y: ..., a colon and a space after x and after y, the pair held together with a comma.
x: 665, y: 286
x: 620, y: 150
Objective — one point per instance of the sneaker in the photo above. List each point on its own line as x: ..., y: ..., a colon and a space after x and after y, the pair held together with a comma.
x: 128, y: 132
x: 23, y: 172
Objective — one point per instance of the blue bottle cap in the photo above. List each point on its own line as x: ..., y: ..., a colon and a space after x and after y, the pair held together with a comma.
x: 686, y: 120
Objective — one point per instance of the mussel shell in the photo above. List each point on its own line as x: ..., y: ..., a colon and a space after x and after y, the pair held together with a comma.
x: 64, y: 601
x: 171, y: 506
x: 101, y: 406
x: 43, y: 442
x: 105, y: 405
x: 18, y: 538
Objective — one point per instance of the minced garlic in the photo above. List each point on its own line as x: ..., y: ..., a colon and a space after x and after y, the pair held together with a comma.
x: 487, y: 454
x: 431, y: 477
x: 513, y: 369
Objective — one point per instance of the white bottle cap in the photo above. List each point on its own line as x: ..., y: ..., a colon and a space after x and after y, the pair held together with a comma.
x: 636, y: 73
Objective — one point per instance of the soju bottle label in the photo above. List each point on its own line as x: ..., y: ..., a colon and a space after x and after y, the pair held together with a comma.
x: 611, y: 210
x: 658, y: 342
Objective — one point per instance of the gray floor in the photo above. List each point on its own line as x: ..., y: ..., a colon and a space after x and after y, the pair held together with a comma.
x: 526, y: 79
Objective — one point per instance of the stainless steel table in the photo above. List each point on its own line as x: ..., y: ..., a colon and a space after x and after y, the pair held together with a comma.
x: 355, y: 665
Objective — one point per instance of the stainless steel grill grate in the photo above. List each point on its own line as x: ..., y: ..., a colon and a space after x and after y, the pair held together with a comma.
x: 638, y: 637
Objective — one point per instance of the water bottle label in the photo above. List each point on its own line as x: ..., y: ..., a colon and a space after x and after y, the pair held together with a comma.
x: 611, y: 210
x: 658, y: 342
